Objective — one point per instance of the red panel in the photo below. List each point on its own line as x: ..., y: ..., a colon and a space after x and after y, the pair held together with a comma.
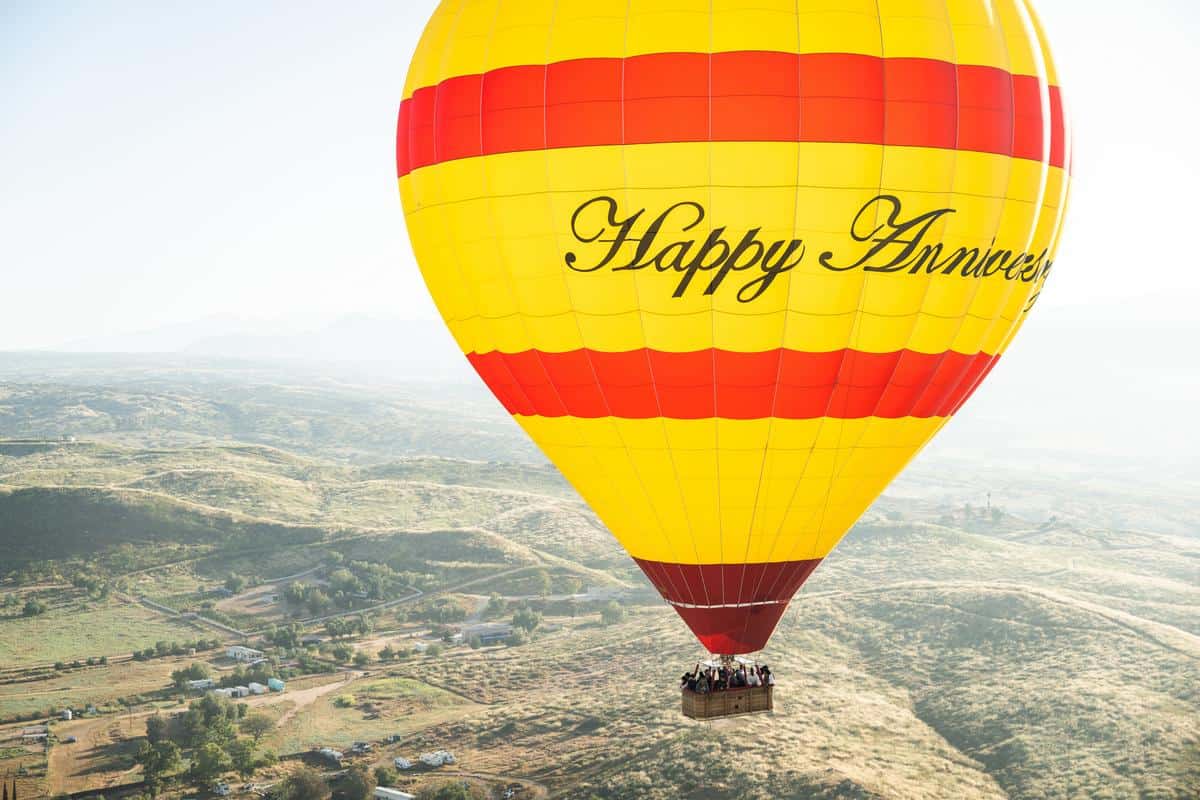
x: 1027, y: 118
x: 735, y: 96
x: 457, y: 131
x: 513, y: 110
x: 985, y: 114
x: 789, y: 384
x: 1058, y: 133
x: 736, y: 605
x: 733, y: 631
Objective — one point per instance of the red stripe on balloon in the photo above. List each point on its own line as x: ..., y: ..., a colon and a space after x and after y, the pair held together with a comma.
x: 728, y: 97
x: 732, y: 608
x: 701, y: 384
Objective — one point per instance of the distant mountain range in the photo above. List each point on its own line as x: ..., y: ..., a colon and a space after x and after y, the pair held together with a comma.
x: 1120, y: 388
x: 399, y: 348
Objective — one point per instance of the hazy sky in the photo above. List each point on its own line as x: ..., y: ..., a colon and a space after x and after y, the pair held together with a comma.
x: 164, y: 162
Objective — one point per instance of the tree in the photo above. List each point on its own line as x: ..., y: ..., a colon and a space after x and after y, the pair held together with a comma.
x: 235, y: 583
x: 257, y: 726
x: 386, y: 776
x: 361, y: 659
x: 456, y: 790
x: 387, y: 653
x: 342, y: 653
x: 612, y: 613
x: 541, y: 582
x: 317, y: 601
x: 526, y: 619
x: 210, y: 720
x: 208, y: 762
x: 355, y: 784
x: 243, y: 758
x: 304, y: 784
x: 33, y: 607
x: 156, y: 729
x: 475, y: 641
x: 195, y: 672
x: 158, y: 761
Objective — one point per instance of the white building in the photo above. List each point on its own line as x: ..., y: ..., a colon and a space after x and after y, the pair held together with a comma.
x: 223, y: 692
x: 257, y: 688
x: 402, y: 763
x: 201, y: 685
x: 241, y: 691
x: 240, y: 653
x: 388, y: 793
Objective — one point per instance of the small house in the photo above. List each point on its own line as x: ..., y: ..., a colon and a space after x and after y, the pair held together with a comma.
x: 67, y: 715
x: 402, y: 763
x: 241, y: 691
x: 223, y: 692
x: 488, y: 632
x: 275, y: 685
x: 312, y: 638
x: 202, y: 684
x: 239, y: 653
x: 388, y: 793
x: 256, y: 688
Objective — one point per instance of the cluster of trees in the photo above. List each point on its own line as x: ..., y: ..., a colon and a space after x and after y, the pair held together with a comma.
x: 163, y: 648
x: 452, y: 790
x: 287, y: 636
x: 389, y: 653
x: 612, y: 613
x: 96, y: 587
x: 441, y: 611
x: 236, y: 583
x: 349, y: 585
x: 526, y: 619
x: 349, y: 626
x: 195, y: 672
x: 33, y: 608
x: 76, y: 664
x: 302, y: 595
x: 209, y: 731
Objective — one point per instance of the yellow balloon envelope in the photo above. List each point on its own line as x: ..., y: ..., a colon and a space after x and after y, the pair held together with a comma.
x: 732, y: 263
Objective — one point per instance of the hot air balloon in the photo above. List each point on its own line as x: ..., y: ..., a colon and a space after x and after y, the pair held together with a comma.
x: 732, y: 263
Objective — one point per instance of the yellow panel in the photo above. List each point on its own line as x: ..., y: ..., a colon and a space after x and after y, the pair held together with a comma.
x: 490, y: 222
x: 712, y: 490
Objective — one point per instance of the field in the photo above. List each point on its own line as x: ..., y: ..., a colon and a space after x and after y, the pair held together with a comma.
x: 1023, y: 628
x: 77, y: 628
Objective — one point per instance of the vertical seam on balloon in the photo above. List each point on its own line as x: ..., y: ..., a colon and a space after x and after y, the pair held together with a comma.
x: 579, y: 329
x: 853, y: 333
x: 783, y: 343
x: 868, y: 421
x: 712, y: 319
x: 642, y: 325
